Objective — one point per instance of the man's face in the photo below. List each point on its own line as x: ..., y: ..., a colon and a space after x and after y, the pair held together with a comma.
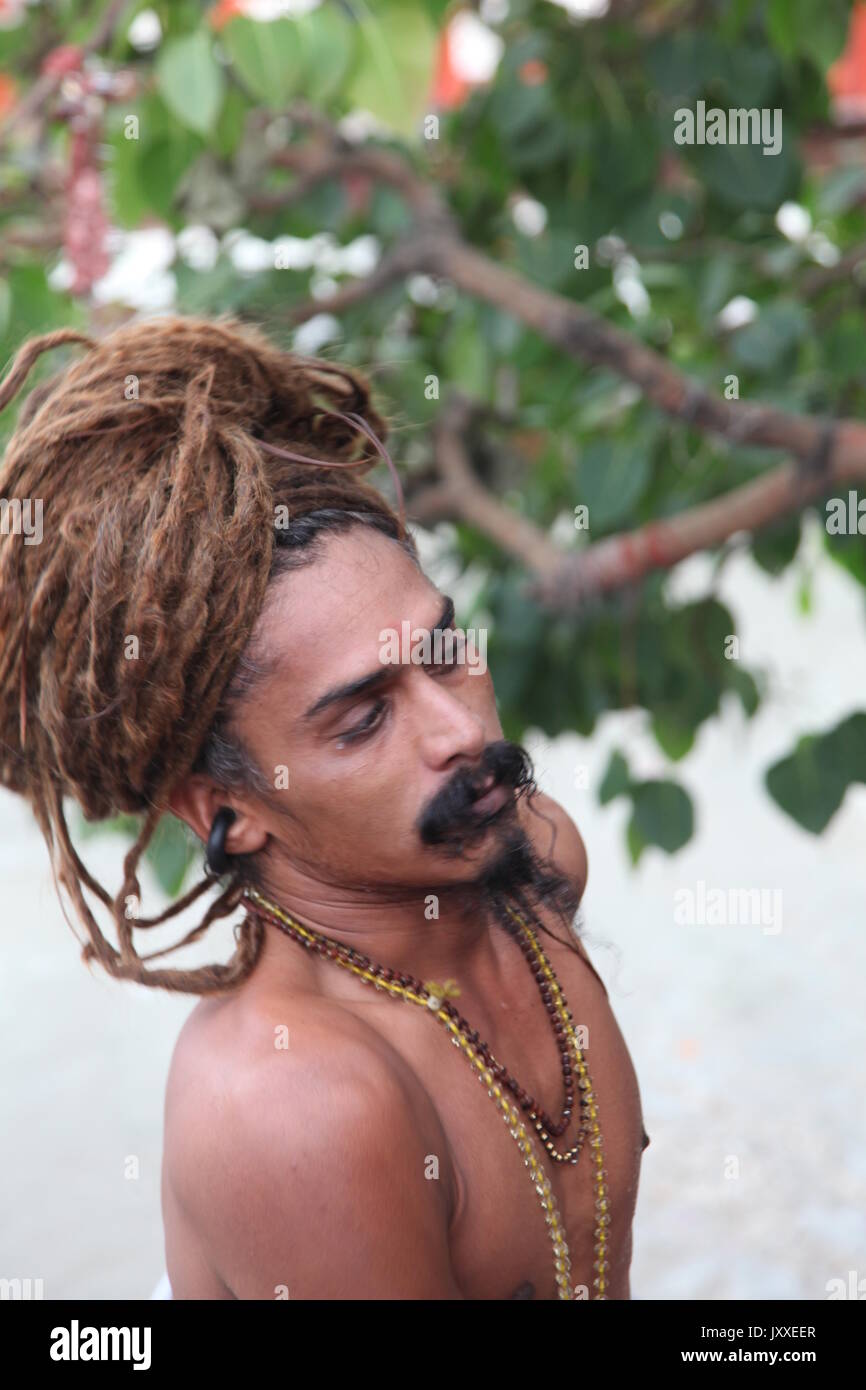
x: 369, y: 743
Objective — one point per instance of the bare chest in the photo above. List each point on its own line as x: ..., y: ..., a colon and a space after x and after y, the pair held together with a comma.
x: 500, y: 1239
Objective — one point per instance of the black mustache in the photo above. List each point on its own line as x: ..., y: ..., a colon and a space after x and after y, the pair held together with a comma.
x: 449, y: 818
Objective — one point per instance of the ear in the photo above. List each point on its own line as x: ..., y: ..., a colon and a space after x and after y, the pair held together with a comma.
x: 196, y: 800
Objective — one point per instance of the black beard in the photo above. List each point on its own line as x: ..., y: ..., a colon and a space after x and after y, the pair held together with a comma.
x: 516, y: 877
x: 518, y: 880
x: 450, y: 823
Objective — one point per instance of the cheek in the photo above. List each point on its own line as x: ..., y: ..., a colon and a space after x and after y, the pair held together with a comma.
x: 357, y: 799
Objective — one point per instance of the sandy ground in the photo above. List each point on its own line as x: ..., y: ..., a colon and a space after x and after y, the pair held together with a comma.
x: 749, y: 1045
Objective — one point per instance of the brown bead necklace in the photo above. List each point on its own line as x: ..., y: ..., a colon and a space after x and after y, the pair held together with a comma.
x: 400, y: 984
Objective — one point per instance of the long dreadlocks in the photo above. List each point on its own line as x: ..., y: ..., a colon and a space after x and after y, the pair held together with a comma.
x: 161, y: 458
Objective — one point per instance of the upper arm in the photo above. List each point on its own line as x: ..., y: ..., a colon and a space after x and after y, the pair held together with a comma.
x: 316, y: 1180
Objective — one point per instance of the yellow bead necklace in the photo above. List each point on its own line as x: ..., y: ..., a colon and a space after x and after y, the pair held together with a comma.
x: 431, y: 997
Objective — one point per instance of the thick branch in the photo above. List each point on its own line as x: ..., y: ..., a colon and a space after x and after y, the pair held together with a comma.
x: 824, y: 452
x: 590, y: 338
x: 572, y: 327
x: 617, y: 561
x: 565, y: 579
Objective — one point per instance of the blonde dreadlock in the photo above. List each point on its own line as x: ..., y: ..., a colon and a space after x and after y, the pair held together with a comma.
x: 159, y: 501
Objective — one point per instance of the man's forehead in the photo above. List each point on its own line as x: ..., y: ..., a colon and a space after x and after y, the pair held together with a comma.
x: 333, y: 609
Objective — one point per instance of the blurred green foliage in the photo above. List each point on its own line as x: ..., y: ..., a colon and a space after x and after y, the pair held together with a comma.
x: 580, y: 118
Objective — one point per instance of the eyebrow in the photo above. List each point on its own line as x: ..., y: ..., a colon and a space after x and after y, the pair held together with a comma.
x: 364, y: 684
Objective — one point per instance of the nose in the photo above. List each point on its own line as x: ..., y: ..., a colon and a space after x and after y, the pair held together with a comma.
x: 447, y: 728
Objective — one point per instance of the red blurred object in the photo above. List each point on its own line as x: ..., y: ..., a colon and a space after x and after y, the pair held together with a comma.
x: 533, y: 72
x: 357, y: 188
x: 449, y: 90
x: 60, y: 61
x: 8, y: 94
x: 86, y: 226
x: 11, y: 13
x: 846, y: 79
x: 220, y: 14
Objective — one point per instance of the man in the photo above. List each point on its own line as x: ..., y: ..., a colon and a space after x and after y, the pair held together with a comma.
x: 322, y: 1140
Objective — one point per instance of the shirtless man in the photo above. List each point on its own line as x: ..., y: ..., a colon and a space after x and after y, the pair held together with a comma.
x: 177, y: 645
x: 304, y: 1169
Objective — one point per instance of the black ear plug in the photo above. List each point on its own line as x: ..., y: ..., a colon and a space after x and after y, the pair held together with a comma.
x: 216, y: 859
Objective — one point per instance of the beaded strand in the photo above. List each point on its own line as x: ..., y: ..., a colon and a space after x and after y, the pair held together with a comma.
x: 433, y: 1000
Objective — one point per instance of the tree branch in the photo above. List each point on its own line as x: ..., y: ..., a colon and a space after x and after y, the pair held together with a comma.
x: 564, y: 322
x: 403, y: 259
x: 823, y: 452
x: 328, y: 155
x: 618, y: 561
x: 564, y: 579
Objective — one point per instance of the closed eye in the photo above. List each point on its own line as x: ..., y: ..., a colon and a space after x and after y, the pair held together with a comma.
x: 367, y: 725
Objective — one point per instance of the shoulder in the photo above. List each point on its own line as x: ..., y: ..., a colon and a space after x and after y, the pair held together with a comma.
x: 252, y: 1074
x: 555, y: 836
x: 307, y: 1164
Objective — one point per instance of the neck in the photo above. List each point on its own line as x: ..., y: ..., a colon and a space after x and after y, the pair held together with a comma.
x: 393, y: 927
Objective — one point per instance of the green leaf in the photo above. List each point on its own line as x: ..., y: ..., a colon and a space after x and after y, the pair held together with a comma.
x: 611, y: 478
x: 673, y: 738
x: 663, y: 815
x: 774, y: 549
x: 394, y: 65
x: 782, y: 25
x: 170, y: 852
x: 742, y: 176
x: 682, y: 63
x: 616, y: 780
x: 807, y: 785
x: 268, y: 57
x: 126, y: 825
x: 437, y: 9
x: 191, y: 81
x: 328, y: 42
x: 718, y: 283
x: 467, y: 361
x: 841, y: 189
x: 849, y: 552
x: 799, y: 28
x: 161, y: 167
x: 5, y: 305
x: 845, y: 748
x: 845, y: 346
x: 635, y: 842
x: 744, y: 685
x: 229, y: 130
x: 773, y: 336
